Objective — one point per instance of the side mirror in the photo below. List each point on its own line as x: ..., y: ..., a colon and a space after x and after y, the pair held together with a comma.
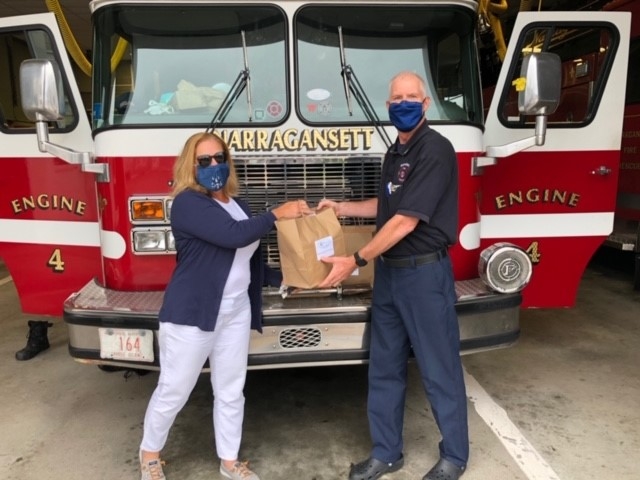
x: 42, y: 93
x: 538, y: 88
x: 539, y: 84
x: 41, y: 90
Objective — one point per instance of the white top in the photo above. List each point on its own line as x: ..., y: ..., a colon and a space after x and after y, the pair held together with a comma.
x: 237, y: 286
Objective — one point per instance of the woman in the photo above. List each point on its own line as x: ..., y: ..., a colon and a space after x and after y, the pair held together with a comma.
x: 211, y: 302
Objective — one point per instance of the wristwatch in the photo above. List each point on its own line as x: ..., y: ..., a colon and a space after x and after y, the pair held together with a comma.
x: 361, y: 262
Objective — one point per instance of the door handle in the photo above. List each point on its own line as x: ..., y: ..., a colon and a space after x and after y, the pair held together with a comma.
x: 601, y: 170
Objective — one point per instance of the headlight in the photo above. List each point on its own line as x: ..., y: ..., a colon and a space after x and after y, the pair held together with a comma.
x: 150, y: 241
x: 505, y: 267
x: 151, y: 232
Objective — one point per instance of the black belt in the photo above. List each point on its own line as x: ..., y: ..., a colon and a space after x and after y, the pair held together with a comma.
x: 413, y: 260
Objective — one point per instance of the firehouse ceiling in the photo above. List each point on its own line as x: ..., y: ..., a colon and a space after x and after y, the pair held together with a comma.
x: 77, y: 14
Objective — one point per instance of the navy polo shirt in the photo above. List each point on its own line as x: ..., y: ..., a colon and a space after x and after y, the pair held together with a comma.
x: 420, y: 179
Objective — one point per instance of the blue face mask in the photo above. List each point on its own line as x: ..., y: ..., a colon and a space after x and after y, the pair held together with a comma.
x: 405, y: 115
x: 213, y: 178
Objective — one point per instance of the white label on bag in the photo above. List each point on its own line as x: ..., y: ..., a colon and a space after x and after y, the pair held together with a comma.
x: 324, y: 247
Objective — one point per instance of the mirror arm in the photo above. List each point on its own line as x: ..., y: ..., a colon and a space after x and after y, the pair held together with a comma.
x: 541, y: 129
x: 512, y: 148
x: 84, y: 159
x: 501, y: 151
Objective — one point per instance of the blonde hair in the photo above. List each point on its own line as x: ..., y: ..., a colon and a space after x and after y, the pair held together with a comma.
x: 184, y: 168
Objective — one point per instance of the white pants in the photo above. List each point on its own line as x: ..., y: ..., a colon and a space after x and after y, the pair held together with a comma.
x: 183, y: 351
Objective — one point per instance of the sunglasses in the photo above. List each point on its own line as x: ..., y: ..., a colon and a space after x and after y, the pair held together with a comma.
x: 205, y: 160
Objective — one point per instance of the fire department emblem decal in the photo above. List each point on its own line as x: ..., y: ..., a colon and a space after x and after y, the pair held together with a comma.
x: 274, y: 108
x: 403, y: 171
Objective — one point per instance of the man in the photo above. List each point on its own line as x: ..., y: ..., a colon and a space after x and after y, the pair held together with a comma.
x: 413, y: 306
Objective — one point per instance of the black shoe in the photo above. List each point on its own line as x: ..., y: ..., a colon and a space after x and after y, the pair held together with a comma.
x: 444, y: 470
x: 37, y: 340
x: 372, y: 468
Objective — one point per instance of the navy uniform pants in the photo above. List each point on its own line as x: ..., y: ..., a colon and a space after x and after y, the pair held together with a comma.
x: 414, y: 307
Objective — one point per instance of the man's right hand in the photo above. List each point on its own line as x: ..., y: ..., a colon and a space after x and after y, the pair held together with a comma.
x: 326, y: 203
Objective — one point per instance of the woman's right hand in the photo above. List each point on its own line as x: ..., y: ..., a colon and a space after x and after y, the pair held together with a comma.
x: 292, y: 209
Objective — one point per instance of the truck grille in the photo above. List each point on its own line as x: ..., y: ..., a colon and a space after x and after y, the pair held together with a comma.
x: 266, y: 182
x: 300, y: 338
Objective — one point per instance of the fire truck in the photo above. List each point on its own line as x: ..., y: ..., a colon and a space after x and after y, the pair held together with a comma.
x: 626, y: 227
x: 626, y: 230
x: 298, y: 91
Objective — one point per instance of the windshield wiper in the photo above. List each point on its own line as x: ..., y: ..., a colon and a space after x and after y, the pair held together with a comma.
x: 243, y: 80
x: 352, y: 85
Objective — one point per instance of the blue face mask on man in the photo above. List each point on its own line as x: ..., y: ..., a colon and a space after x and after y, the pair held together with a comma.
x: 213, y: 178
x: 405, y: 115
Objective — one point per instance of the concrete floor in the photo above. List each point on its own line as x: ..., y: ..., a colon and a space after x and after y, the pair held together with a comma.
x: 564, y: 403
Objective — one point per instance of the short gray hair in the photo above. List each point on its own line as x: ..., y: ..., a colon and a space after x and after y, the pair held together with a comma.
x: 409, y: 73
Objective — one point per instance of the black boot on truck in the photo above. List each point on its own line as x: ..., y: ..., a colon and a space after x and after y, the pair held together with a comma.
x: 37, y: 340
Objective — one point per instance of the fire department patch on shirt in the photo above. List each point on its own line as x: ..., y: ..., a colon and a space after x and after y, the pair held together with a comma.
x: 403, y: 171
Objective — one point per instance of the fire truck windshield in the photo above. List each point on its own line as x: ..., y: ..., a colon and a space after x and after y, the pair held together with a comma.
x: 182, y: 61
x: 380, y: 41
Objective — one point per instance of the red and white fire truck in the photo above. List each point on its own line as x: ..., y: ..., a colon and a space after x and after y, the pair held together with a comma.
x: 298, y: 90
x: 626, y: 229
x: 626, y: 226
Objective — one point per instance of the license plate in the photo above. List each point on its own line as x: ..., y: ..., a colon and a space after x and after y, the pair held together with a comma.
x: 126, y: 344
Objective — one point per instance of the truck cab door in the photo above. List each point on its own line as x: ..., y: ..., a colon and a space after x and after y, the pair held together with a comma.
x: 557, y: 200
x: 49, y: 227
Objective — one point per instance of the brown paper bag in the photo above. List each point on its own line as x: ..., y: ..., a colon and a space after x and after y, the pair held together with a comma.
x: 355, y: 237
x: 301, y: 243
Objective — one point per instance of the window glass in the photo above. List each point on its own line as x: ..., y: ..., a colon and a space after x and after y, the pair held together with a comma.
x: 181, y: 63
x: 15, y: 47
x: 586, y: 53
x: 378, y: 42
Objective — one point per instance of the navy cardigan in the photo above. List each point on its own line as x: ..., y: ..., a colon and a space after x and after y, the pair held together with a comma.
x: 206, y: 239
